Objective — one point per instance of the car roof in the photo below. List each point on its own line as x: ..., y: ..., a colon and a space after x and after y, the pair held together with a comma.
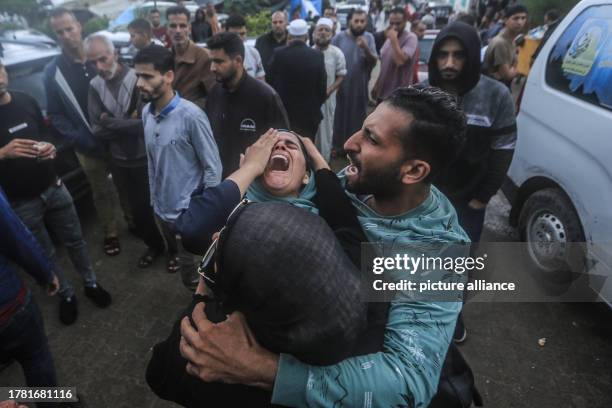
x: 14, y: 52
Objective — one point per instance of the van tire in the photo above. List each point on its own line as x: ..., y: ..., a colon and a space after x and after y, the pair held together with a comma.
x: 555, y: 243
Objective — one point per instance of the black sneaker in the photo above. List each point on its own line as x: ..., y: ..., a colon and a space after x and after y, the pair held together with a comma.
x: 68, y: 310
x: 98, y: 295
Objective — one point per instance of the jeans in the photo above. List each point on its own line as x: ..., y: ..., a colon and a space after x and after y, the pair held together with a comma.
x: 54, y: 209
x: 188, y: 270
x: 23, y: 338
x: 104, y: 192
x: 135, y: 182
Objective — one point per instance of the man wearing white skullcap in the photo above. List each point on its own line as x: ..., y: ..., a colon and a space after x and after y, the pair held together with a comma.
x: 335, y: 67
x: 297, y: 73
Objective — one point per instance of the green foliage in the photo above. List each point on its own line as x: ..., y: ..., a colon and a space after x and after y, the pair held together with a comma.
x: 537, y: 8
x: 22, y: 7
x: 258, y: 24
x: 95, y: 24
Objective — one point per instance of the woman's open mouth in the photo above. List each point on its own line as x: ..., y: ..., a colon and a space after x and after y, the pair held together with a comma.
x: 278, y: 162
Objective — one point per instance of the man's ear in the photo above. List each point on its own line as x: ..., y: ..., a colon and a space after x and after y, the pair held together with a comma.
x: 169, y: 75
x: 414, y: 171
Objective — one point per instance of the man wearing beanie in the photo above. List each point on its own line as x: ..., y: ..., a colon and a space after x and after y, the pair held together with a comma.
x: 297, y: 73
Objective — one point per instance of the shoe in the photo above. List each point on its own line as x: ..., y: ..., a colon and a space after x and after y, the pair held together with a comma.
x: 460, y: 337
x: 98, y: 295
x: 68, y: 310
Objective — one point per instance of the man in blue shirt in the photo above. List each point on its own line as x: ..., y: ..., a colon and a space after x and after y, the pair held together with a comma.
x: 181, y: 150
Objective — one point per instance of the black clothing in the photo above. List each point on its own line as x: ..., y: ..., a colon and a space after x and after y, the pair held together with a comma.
x: 468, y: 36
x: 481, y: 165
x: 201, y: 31
x: 135, y: 182
x: 266, y: 44
x: 297, y: 72
x: 79, y: 75
x: 238, y: 118
x: 23, y: 178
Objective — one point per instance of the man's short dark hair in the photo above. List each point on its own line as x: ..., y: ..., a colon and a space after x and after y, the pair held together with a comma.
x: 61, y: 11
x: 552, y: 15
x: 161, y: 58
x: 141, y: 25
x: 175, y: 10
x: 437, y: 132
x: 354, y: 11
x: 154, y: 11
x: 515, y: 9
x: 235, y: 21
x: 398, y: 10
x: 228, y: 42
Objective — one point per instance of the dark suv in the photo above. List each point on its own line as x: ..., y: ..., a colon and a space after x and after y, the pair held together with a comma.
x: 25, y: 64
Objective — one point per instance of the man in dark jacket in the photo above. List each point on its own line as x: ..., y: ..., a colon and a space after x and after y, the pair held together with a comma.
x: 277, y: 37
x: 471, y: 180
x: 240, y: 108
x: 297, y: 72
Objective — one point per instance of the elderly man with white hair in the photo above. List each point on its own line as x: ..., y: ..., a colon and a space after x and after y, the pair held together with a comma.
x: 335, y: 67
x: 113, y: 107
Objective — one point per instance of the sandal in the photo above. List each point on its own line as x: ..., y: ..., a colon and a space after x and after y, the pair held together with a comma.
x: 174, y: 263
x: 112, y: 246
x: 147, y: 258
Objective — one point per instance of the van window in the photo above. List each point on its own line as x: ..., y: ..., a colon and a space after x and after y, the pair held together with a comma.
x: 580, y: 63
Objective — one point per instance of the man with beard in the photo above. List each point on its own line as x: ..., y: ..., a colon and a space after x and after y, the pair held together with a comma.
x: 396, y: 56
x: 66, y: 81
x: 335, y: 67
x: 267, y: 43
x: 402, y: 146
x: 160, y: 32
x: 483, y: 161
x: 297, y: 73
x: 39, y: 197
x: 252, y: 59
x: 192, y: 79
x: 240, y: 107
x: 113, y: 110
x: 360, y: 53
x: 181, y: 151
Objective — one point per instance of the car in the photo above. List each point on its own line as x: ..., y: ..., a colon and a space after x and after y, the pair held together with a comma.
x: 25, y: 64
x: 425, y: 46
x: 27, y: 35
x: 560, y: 181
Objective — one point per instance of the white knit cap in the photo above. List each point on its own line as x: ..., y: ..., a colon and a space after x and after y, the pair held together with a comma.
x: 326, y: 22
x: 298, y: 28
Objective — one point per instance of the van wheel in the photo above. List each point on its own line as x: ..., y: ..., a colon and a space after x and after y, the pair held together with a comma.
x: 554, y: 238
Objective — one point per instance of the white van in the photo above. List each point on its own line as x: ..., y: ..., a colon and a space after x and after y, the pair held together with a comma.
x: 560, y: 180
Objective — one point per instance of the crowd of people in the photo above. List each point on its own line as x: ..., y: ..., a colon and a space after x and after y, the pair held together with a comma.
x: 188, y: 133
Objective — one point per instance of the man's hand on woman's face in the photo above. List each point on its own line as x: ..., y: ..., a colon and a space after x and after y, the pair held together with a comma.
x: 226, y: 351
x: 258, y: 154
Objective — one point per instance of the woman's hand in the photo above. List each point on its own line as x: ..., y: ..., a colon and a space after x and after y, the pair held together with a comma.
x: 318, y: 161
x: 254, y: 160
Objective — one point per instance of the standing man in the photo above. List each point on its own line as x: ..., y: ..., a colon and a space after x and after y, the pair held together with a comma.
x: 192, y: 79
x: 39, y: 197
x: 418, y: 28
x: 335, y: 68
x: 252, y: 60
x: 22, y: 330
x: 267, y: 43
x: 66, y: 82
x: 478, y: 172
x: 159, y: 31
x: 236, y: 121
x: 113, y: 110
x: 500, y: 58
x: 182, y: 153
x: 141, y: 34
x: 360, y: 53
x: 297, y: 72
x: 396, y: 56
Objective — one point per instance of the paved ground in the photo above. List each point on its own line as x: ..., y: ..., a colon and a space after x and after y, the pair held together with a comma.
x: 105, y: 353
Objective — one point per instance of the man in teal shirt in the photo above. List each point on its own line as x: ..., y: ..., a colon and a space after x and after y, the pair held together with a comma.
x: 401, y: 147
